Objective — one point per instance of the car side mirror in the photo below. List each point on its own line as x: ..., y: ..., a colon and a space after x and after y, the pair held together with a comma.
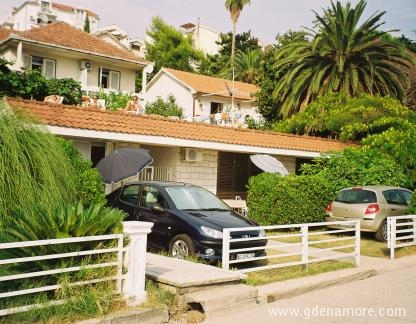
x: 157, y: 209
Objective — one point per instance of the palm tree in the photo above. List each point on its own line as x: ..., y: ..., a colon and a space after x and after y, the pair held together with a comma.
x: 234, y: 7
x: 343, y: 57
x: 247, y: 65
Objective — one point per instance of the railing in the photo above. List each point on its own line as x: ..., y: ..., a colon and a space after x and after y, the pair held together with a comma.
x: 293, y: 245
x: 112, y: 258
x: 401, y: 232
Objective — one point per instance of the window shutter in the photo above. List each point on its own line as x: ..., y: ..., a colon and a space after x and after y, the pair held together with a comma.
x: 48, y: 69
x: 114, y: 80
x: 27, y: 62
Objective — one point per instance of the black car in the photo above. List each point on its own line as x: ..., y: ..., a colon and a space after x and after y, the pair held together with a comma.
x: 188, y: 220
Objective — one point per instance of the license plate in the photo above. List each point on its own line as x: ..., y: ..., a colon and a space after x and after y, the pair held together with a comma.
x: 245, y: 256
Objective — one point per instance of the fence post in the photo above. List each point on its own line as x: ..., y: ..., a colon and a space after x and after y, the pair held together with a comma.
x: 226, y: 249
x: 392, y: 236
x: 135, y: 261
x: 305, y: 247
x: 357, y: 250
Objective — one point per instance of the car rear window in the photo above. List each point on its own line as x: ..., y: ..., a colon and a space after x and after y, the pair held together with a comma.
x: 356, y: 196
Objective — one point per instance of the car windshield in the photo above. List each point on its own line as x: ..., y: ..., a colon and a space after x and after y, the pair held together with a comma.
x: 195, y: 198
x: 356, y: 196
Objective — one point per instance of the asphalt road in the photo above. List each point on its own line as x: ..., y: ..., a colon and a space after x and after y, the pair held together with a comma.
x: 386, y: 298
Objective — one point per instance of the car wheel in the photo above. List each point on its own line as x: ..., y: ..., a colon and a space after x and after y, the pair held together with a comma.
x: 181, y: 246
x: 381, y: 234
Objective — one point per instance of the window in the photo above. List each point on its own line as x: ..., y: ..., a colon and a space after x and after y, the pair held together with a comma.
x: 45, y: 6
x: 46, y: 66
x: 151, y: 196
x: 109, y: 79
x: 129, y: 194
x: 216, y: 107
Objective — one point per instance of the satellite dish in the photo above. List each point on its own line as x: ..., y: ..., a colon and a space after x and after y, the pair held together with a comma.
x: 43, y: 17
x: 269, y: 164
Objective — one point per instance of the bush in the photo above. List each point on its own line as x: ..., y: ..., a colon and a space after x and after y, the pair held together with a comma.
x: 34, y: 169
x: 165, y: 108
x: 276, y: 200
x: 89, y: 184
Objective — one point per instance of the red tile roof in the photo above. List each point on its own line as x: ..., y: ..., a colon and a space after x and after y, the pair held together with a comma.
x: 212, y: 85
x: 64, y: 35
x: 120, y: 122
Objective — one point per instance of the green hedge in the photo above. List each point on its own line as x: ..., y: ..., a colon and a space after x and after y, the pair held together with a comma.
x: 276, y: 200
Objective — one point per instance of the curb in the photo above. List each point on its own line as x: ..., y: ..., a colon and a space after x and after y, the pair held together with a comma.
x: 150, y: 316
x: 294, y: 287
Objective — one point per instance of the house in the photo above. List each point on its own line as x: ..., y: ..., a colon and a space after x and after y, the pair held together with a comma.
x: 203, y: 38
x: 59, y: 50
x: 214, y: 157
x: 37, y: 13
x: 203, y: 96
x: 117, y: 36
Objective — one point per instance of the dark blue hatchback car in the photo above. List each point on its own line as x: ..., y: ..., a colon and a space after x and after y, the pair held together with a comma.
x: 188, y: 220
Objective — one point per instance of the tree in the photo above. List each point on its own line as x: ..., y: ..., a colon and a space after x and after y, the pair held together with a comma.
x: 220, y: 64
x: 170, y: 48
x: 348, y: 118
x: 165, y: 108
x: 344, y: 57
x: 247, y: 65
x: 234, y: 7
x: 267, y: 76
x: 87, y: 28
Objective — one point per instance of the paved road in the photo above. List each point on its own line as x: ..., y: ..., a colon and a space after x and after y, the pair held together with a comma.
x: 386, y: 298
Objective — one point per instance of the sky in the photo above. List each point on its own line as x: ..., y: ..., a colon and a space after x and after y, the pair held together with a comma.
x: 264, y: 18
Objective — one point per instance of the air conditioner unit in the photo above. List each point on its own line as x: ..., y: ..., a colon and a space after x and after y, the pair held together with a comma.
x: 191, y: 155
x: 85, y: 65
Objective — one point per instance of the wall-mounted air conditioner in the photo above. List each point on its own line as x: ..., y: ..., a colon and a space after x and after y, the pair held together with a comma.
x: 85, y: 65
x: 191, y: 154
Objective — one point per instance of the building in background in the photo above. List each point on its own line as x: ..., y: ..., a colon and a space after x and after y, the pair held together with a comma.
x: 41, y: 12
x: 204, y: 38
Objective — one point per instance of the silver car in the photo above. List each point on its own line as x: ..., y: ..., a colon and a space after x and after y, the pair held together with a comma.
x: 372, y: 205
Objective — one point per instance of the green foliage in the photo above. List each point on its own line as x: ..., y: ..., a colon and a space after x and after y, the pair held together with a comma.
x: 273, y: 199
x: 170, y: 48
x: 165, y: 108
x: 244, y: 42
x: 357, y: 166
x: 246, y: 65
x: 347, y: 118
x: 343, y: 57
x: 68, y: 88
x: 412, y: 208
x: 89, y: 185
x: 33, y: 167
x: 64, y: 221
x: 268, y: 75
x: 87, y: 28
x: 114, y: 100
x: 32, y: 85
x: 398, y: 144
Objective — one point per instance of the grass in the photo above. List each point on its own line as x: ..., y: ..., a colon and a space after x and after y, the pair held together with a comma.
x: 369, y: 246
x: 281, y: 274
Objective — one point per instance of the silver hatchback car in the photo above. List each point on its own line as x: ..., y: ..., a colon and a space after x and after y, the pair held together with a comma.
x: 372, y: 205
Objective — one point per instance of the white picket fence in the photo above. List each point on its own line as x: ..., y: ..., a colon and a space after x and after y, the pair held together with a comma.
x: 130, y: 284
x: 279, y: 239
x: 401, y: 232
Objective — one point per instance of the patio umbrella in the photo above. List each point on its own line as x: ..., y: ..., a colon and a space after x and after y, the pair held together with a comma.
x: 269, y: 163
x: 123, y: 163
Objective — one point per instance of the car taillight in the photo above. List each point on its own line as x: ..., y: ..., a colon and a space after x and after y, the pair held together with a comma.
x: 328, y: 208
x: 371, y: 209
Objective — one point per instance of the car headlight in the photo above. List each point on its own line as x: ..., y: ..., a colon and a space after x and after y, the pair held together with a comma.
x: 212, y: 232
x: 262, y: 233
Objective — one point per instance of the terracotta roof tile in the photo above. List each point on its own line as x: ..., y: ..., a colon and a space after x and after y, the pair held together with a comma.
x: 121, y: 122
x: 212, y: 85
x: 64, y: 35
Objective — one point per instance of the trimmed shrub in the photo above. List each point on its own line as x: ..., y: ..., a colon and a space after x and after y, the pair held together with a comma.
x: 276, y: 200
